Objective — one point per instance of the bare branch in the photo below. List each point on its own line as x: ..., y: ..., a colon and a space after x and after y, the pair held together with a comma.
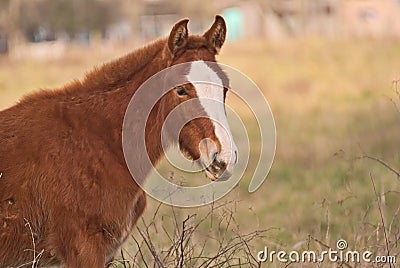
x: 381, y: 215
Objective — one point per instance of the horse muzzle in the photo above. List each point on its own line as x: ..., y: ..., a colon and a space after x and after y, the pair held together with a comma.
x: 217, y: 168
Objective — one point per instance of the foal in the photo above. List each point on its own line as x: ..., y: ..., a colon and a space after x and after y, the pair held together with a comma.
x: 66, y: 194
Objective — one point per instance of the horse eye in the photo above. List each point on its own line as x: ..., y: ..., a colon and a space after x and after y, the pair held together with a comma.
x: 181, y: 91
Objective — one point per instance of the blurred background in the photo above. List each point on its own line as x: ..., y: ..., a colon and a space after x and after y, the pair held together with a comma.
x: 330, y: 71
x: 29, y: 27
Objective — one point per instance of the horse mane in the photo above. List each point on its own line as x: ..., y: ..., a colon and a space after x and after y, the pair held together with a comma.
x: 120, y: 71
x: 114, y: 74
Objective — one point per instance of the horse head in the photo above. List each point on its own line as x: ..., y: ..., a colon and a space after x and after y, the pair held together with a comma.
x: 205, y: 137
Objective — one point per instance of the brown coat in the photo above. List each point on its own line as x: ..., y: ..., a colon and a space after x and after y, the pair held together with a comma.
x: 65, y: 189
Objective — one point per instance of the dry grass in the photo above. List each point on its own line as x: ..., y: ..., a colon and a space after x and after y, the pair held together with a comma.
x: 213, y: 239
x: 333, y: 103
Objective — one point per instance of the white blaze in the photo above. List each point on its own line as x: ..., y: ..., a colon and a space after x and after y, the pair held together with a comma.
x: 210, y: 91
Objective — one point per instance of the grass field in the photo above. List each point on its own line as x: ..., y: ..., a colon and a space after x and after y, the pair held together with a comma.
x: 333, y: 102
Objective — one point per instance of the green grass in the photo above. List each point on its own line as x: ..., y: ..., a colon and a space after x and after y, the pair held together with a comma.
x: 331, y: 102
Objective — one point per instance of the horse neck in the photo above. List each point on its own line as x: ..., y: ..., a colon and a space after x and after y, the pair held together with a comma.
x: 108, y: 108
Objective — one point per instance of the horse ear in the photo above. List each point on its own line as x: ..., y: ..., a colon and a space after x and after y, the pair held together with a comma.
x: 178, y: 36
x: 215, y: 36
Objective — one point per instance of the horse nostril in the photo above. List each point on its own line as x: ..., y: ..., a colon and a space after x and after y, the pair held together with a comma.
x: 236, y: 157
x: 214, y: 157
